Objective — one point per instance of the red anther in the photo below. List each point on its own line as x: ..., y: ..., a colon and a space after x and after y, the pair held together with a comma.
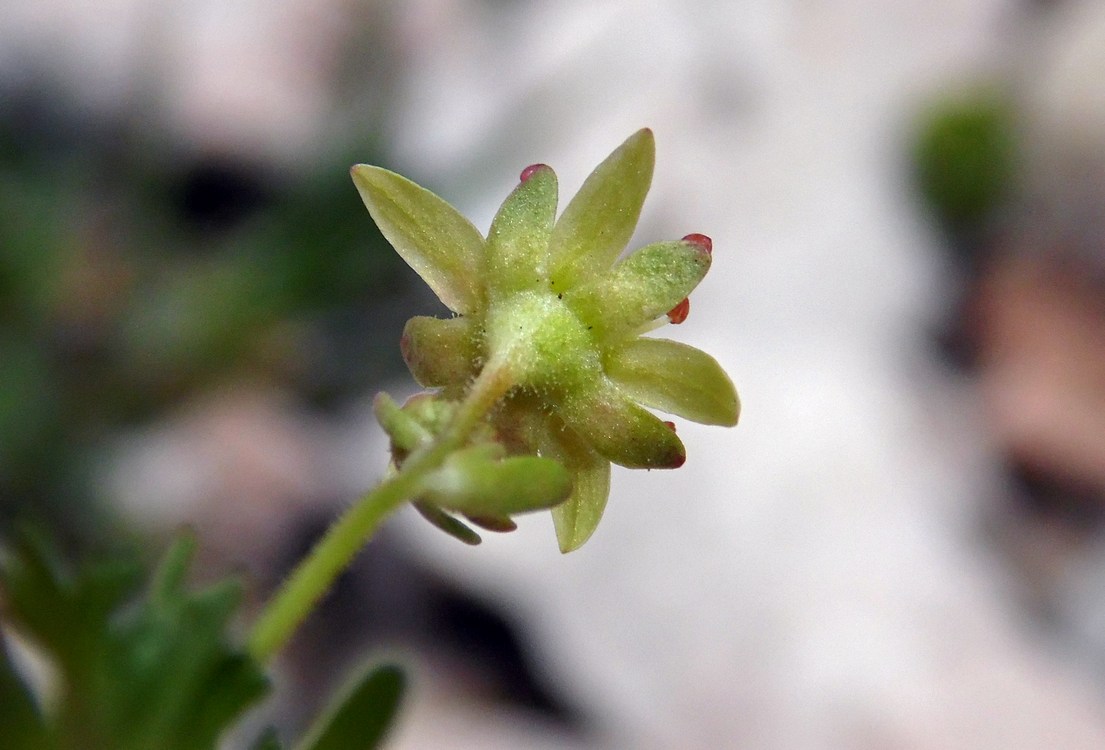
x: 680, y: 312
x: 530, y: 170
x: 702, y: 241
x: 670, y: 426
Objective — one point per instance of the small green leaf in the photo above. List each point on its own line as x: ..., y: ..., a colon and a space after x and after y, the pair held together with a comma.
x: 429, y: 234
x: 518, y: 242
x: 600, y: 219
x: 361, y: 718
x: 675, y: 378
x: 641, y: 288
x: 621, y: 431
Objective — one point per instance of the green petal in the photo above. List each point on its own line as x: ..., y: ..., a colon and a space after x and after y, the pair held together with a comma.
x: 440, y: 352
x: 675, y: 378
x: 518, y: 242
x: 621, y: 431
x: 641, y: 288
x: 576, y: 518
x: 430, y: 235
x: 600, y: 219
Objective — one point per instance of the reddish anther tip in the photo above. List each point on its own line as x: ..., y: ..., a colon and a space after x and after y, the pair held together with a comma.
x: 670, y: 426
x: 680, y: 312
x: 702, y: 241
x: 531, y: 170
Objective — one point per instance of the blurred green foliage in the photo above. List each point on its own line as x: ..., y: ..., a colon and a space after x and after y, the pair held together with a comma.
x: 965, y: 159
x: 139, y: 672
x: 134, y: 273
x: 149, y: 665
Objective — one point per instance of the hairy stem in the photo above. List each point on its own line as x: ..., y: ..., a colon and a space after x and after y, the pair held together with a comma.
x: 314, y: 575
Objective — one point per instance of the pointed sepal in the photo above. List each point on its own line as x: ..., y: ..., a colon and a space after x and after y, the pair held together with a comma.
x: 621, y: 431
x: 405, y: 431
x: 518, y: 242
x: 600, y: 219
x: 441, y: 353
x: 675, y: 378
x: 476, y: 481
x: 429, y: 234
x: 641, y: 288
x: 447, y: 523
x: 576, y: 519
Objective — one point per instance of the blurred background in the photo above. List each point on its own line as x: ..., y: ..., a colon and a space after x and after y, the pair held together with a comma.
x: 901, y: 546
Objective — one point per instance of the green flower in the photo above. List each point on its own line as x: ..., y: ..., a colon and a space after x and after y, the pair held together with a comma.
x: 546, y: 304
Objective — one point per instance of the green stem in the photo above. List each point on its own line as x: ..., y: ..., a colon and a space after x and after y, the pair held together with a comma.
x: 333, y: 553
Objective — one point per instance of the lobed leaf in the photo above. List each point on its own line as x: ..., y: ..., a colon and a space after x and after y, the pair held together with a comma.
x: 360, y: 719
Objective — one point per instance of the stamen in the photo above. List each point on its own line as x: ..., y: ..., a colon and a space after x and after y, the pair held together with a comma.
x: 680, y: 312
x: 531, y: 169
x: 702, y: 241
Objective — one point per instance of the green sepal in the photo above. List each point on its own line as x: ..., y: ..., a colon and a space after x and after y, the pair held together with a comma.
x: 441, y: 353
x: 361, y: 717
x: 518, y: 241
x: 429, y: 234
x: 675, y: 378
x: 600, y: 219
x: 447, y: 523
x: 475, y: 481
x: 621, y: 431
x: 498, y: 524
x: 641, y: 288
x: 576, y: 519
x: 405, y: 431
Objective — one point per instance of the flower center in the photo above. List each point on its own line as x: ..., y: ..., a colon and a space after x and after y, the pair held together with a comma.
x: 543, y: 343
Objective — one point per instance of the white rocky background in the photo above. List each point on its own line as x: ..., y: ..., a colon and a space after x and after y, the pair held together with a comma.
x: 815, y: 578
